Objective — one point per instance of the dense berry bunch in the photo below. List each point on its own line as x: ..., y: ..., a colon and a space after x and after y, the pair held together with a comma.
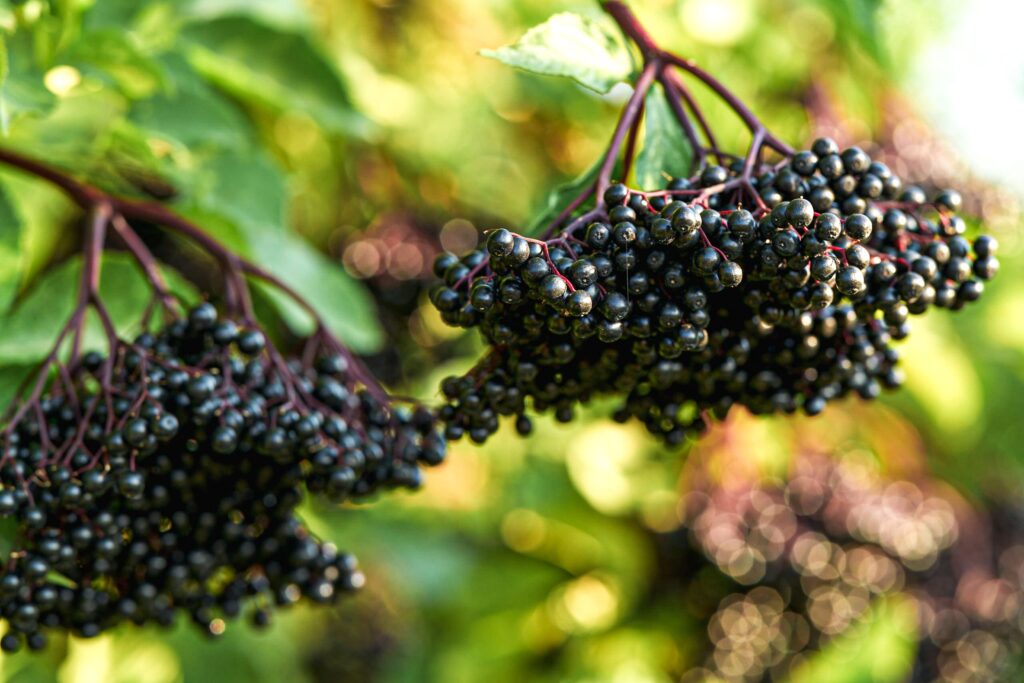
x: 813, y: 556
x: 778, y: 293
x: 165, y: 477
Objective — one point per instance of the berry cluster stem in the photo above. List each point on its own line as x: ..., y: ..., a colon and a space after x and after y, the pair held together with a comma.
x: 107, y: 210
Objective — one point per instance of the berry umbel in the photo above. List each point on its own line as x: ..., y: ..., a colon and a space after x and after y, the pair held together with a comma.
x: 776, y: 280
x: 161, y: 475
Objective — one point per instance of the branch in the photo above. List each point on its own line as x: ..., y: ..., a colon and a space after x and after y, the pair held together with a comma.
x: 105, y: 208
x: 629, y: 115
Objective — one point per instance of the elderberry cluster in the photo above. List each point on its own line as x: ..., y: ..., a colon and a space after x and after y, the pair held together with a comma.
x: 164, y: 478
x: 778, y: 290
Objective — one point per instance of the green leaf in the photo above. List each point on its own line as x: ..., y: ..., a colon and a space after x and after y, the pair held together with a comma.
x: 113, y: 56
x: 11, y: 261
x: 43, y: 209
x: 60, y: 580
x: 880, y: 647
x: 560, y: 197
x: 570, y: 45
x: 5, y: 65
x: 246, y: 188
x: 8, y: 534
x: 27, y: 333
x: 862, y: 26
x: 279, y: 13
x: 271, y: 67
x: 344, y: 305
x: 11, y: 379
x: 190, y: 113
x: 23, y: 91
x: 666, y: 150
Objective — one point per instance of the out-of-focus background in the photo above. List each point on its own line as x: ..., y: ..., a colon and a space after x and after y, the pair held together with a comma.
x: 880, y: 542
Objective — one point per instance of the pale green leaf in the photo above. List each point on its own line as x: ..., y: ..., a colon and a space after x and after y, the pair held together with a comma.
x: 342, y: 303
x: 23, y: 91
x: 573, y: 46
x: 666, y: 151
x: 280, y: 13
x: 935, y: 344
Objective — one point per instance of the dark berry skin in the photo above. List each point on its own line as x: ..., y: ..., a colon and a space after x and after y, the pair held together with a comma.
x: 579, y: 303
x: 615, y: 307
x: 823, y: 267
x: 949, y: 200
x: 443, y: 262
x: 730, y: 273
x: 985, y: 246
x: 850, y: 281
x: 828, y: 227
x: 786, y: 243
x: 598, y: 235
x: 805, y: 163
x: 800, y: 213
x: 858, y: 227
x: 824, y: 146
x: 251, y: 342
x: 858, y: 256
x: 500, y: 243
x: 203, y: 316
x: 855, y: 160
x: 830, y: 166
x: 910, y: 286
x: 553, y: 287
x: 131, y: 484
x: 616, y: 194
x: 706, y: 260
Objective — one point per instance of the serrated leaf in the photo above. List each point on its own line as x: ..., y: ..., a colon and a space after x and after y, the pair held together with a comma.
x: 666, y: 151
x: 271, y: 67
x: 341, y: 302
x: 573, y: 46
x: 27, y: 333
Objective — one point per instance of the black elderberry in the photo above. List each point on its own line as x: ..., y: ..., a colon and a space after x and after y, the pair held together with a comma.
x: 500, y: 243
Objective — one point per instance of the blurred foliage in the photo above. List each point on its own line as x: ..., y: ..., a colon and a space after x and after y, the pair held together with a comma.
x: 371, y: 133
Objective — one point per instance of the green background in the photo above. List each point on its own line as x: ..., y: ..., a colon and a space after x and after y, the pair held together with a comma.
x: 310, y: 134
